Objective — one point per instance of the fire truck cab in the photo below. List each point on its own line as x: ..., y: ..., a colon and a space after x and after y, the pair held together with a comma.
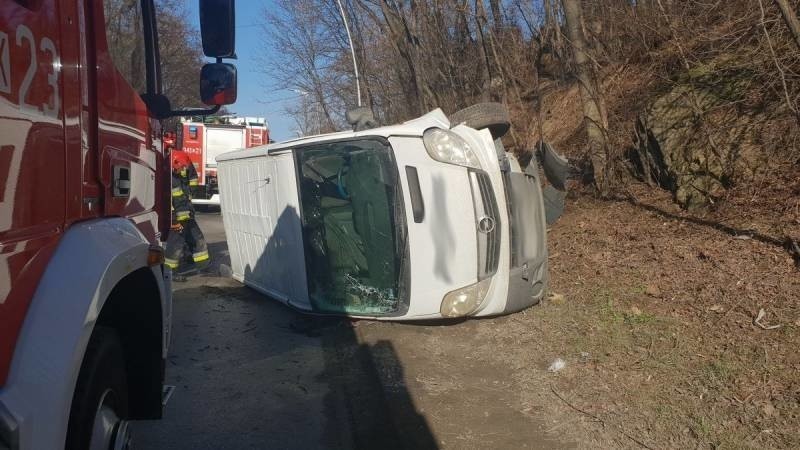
x: 85, y: 301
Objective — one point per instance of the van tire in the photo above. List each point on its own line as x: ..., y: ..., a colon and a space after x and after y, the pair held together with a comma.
x: 493, y: 116
x: 102, y: 378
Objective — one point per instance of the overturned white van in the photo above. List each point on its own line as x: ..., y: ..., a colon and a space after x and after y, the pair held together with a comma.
x: 426, y: 219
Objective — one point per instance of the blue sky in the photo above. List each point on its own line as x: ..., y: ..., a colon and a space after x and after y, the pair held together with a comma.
x: 257, y: 95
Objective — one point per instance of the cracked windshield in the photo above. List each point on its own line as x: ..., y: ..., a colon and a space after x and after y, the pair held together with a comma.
x: 352, y: 226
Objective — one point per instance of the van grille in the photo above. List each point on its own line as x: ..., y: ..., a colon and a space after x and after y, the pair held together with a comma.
x: 486, y: 210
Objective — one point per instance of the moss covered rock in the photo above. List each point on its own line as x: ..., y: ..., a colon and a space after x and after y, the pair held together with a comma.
x: 694, y: 142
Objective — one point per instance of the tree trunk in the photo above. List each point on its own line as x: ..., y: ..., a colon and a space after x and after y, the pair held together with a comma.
x: 548, y: 14
x: 590, y: 95
x: 790, y: 18
x: 538, y: 96
x: 483, y: 52
x: 403, y: 42
x: 497, y: 15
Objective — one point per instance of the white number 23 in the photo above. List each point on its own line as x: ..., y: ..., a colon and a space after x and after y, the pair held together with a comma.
x: 51, y: 107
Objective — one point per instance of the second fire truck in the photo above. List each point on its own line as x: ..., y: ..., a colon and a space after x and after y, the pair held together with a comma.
x: 203, y: 141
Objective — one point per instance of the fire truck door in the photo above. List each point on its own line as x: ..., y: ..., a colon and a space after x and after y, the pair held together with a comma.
x: 128, y: 157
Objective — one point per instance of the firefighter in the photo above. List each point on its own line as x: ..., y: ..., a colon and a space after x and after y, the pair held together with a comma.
x: 185, y: 169
x: 184, y: 231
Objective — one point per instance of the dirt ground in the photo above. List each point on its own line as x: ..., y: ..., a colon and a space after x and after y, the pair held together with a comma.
x: 251, y: 373
x: 651, y: 312
x: 654, y: 316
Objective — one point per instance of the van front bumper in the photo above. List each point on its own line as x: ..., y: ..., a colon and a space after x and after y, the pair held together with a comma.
x: 527, y: 285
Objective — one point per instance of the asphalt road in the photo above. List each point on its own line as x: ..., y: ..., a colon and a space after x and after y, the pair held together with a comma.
x: 251, y: 373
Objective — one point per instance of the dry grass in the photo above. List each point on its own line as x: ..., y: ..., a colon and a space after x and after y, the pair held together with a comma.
x: 664, y: 308
x: 656, y: 326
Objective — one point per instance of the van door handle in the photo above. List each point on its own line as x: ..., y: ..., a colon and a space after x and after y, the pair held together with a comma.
x: 417, y: 205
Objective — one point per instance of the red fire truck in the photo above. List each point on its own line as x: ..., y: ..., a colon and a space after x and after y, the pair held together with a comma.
x: 203, y: 141
x: 85, y: 302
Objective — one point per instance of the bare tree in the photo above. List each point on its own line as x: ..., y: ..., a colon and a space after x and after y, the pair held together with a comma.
x: 620, y: 55
x: 179, y: 47
x: 181, y: 54
x: 590, y: 96
x: 294, y: 27
x: 790, y: 17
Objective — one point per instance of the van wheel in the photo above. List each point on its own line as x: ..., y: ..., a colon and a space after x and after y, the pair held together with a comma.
x: 493, y: 116
x: 100, y: 403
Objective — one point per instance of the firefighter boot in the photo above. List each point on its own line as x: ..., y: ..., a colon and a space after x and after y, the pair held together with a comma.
x: 197, y: 244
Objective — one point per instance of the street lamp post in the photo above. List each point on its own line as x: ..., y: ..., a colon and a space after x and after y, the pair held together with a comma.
x: 352, y: 52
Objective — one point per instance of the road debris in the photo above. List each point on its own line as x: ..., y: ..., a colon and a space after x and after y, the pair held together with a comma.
x: 757, y: 321
x: 556, y: 298
x: 557, y: 365
x: 717, y: 308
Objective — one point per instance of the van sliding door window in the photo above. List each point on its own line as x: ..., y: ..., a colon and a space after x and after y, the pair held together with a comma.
x: 353, y: 227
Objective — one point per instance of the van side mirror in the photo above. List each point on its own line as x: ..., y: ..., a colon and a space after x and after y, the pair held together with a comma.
x: 218, y: 28
x: 218, y: 84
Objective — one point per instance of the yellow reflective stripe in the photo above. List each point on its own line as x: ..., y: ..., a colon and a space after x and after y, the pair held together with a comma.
x: 200, y: 256
x: 171, y: 263
x: 193, y: 182
x: 177, y: 192
x: 182, y: 215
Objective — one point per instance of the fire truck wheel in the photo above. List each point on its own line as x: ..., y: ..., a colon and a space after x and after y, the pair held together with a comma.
x: 100, y: 403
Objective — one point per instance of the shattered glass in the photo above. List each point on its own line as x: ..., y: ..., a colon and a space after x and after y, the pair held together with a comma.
x: 352, y: 226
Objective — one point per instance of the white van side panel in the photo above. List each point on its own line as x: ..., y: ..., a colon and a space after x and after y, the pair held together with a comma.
x: 260, y: 210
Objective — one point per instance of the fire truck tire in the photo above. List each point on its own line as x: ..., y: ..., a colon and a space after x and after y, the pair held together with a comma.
x: 493, y: 116
x: 100, y: 402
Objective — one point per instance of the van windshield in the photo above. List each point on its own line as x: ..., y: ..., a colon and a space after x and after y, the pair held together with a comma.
x: 353, y: 226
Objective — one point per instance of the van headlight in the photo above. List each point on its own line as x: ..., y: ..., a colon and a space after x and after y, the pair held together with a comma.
x: 450, y: 148
x: 465, y: 300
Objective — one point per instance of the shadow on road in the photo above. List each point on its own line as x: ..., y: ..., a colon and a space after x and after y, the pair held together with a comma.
x: 367, y: 405
x: 251, y: 373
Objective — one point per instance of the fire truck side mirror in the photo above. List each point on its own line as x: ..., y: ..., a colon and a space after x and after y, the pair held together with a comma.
x: 218, y: 28
x: 218, y: 84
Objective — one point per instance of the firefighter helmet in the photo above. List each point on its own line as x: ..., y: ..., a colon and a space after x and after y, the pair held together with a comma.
x: 180, y: 160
